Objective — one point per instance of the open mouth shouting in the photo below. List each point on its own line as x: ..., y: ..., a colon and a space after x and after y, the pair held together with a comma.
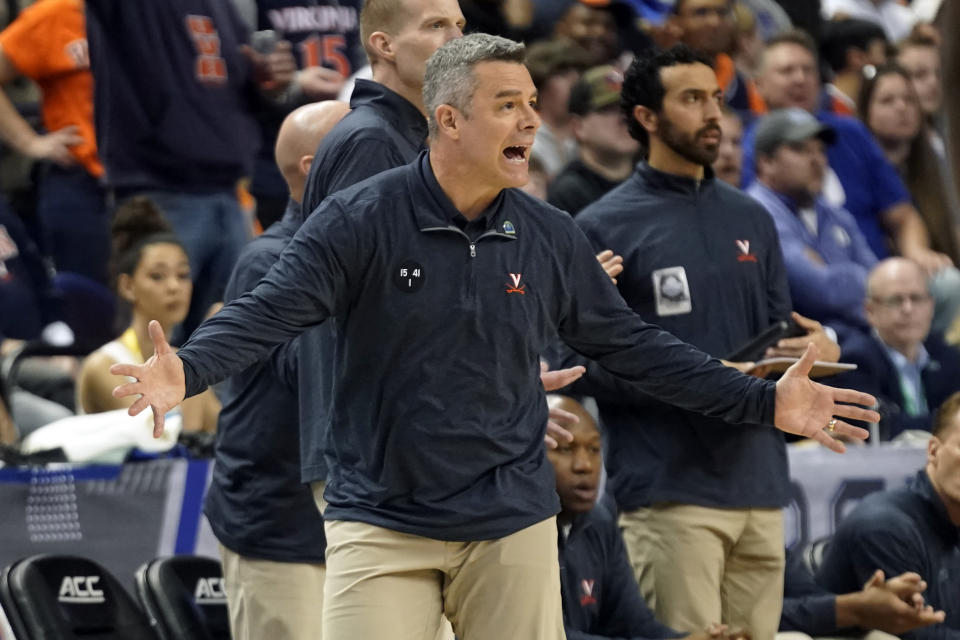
x: 517, y: 154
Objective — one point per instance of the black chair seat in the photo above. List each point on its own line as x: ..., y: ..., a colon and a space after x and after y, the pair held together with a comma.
x: 184, y: 598
x: 64, y: 597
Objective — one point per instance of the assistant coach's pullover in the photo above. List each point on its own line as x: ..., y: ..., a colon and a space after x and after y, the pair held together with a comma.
x: 702, y: 260
x: 599, y: 591
x: 438, y: 415
x: 256, y: 504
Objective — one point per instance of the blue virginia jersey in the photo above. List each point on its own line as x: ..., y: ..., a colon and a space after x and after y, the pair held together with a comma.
x: 324, y: 33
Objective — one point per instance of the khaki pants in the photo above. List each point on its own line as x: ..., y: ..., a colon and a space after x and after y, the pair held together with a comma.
x: 275, y: 600
x: 697, y: 565
x: 385, y: 585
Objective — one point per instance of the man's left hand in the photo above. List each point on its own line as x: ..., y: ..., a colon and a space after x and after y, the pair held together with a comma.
x: 551, y: 381
x: 611, y: 263
x: 556, y: 431
x: 807, y: 408
x: 794, y: 347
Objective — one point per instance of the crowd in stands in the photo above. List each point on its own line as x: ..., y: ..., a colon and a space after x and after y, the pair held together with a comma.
x: 733, y: 163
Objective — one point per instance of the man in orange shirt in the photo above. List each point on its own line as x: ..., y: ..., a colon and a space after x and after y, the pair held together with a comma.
x: 47, y: 43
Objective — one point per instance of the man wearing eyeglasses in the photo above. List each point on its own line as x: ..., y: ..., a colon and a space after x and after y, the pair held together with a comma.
x: 910, y: 369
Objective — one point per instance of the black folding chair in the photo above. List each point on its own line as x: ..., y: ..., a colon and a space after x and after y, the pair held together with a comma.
x: 184, y: 598
x: 58, y: 597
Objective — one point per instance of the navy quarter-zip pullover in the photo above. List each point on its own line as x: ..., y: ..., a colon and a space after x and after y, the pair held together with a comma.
x: 701, y: 260
x: 256, y: 504
x: 438, y: 414
x: 807, y: 607
x: 383, y: 131
x: 601, y: 599
x: 903, y: 529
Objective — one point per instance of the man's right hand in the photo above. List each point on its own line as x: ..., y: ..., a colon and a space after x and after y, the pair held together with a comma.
x: 894, y: 606
x: 932, y: 262
x: 611, y: 263
x: 55, y: 146
x: 159, y: 381
x: 320, y: 83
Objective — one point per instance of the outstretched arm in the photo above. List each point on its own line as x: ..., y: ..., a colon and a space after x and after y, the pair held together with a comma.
x: 598, y: 324
x: 311, y: 281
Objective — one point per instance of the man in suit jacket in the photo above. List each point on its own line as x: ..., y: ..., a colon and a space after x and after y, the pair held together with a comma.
x: 909, y: 369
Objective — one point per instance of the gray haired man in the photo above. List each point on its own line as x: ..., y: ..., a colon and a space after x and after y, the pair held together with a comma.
x: 446, y: 283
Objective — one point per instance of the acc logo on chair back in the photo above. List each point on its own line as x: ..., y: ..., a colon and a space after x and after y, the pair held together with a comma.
x: 80, y: 590
x: 209, y: 591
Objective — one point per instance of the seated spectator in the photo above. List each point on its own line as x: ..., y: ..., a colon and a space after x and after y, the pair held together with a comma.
x: 707, y: 26
x: 153, y: 275
x: 729, y: 163
x: 47, y: 43
x: 768, y: 17
x: 848, y: 47
x: 29, y: 310
x: 591, y: 26
x: 508, y: 18
x: 747, y: 41
x: 896, y: 19
x: 25, y: 283
x: 826, y: 255
x: 911, y: 528
x: 605, y: 149
x: 555, y: 66
x: 860, y: 178
x: 908, y: 368
x: 890, y: 108
x: 920, y: 56
x: 892, y: 606
x: 600, y: 596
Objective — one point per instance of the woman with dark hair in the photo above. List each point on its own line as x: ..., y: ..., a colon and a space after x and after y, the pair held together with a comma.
x: 890, y: 108
x: 151, y: 272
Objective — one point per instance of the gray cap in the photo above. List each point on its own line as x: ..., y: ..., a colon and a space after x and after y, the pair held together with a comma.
x: 787, y: 126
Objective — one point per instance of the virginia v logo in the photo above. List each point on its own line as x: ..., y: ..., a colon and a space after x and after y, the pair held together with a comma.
x: 745, y: 255
x: 516, y: 287
x: 586, y: 598
x: 209, y: 591
x: 80, y: 590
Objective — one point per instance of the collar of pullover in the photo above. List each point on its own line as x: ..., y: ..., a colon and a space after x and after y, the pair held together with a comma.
x: 402, y: 115
x: 436, y: 209
x: 940, y: 520
x: 662, y: 181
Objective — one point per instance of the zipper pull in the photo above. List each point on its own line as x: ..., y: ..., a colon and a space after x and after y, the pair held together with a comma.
x: 473, y: 250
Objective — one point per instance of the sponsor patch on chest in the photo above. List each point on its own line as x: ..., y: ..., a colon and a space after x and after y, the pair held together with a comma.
x: 671, y: 291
